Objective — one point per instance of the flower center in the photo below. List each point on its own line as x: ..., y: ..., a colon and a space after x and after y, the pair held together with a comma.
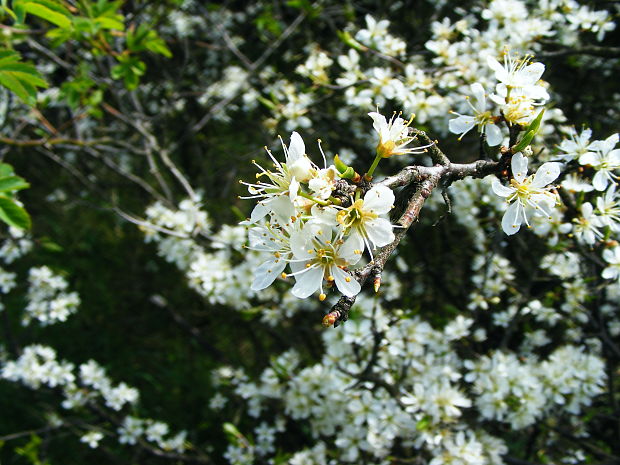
x: 354, y: 216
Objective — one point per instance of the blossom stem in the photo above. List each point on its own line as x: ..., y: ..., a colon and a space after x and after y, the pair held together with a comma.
x: 373, y: 166
x: 314, y: 199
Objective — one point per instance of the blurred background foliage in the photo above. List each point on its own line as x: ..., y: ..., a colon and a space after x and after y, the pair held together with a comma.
x: 134, y: 63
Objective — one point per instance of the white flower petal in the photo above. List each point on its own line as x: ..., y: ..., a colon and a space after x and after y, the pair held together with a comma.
x: 379, y: 200
x: 262, y: 239
x: 589, y: 158
x: 379, y: 231
x: 462, y: 125
x: 600, y: 180
x: 478, y: 92
x: 266, y: 273
x: 494, y: 134
x: 511, y: 221
x: 307, y: 282
x: 529, y: 75
x: 379, y: 121
x: 519, y: 166
x: 546, y: 174
x: 351, y: 249
x: 345, y: 282
x: 501, y: 190
x: 259, y: 212
x: 300, y: 244
x: 282, y: 208
x: 296, y: 148
x: 500, y: 71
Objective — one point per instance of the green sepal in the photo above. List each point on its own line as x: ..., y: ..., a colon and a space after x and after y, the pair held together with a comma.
x: 268, y: 103
x: 424, y: 423
x: 234, y: 435
x: 340, y: 166
x: 349, y: 173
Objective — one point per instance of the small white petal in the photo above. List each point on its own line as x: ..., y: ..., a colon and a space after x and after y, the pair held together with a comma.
x: 266, y: 273
x: 296, y: 148
x: 519, y: 166
x: 478, y: 92
x: 511, y: 221
x: 500, y: 71
x: 529, y: 75
x: 494, y: 134
x: 589, y: 158
x: 546, y: 174
x: 600, y: 181
x: 379, y: 231
x: 379, y: 200
x: 350, y: 250
x: 501, y: 190
x: 259, y: 212
x: 462, y: 125
x: 350, y: 288
x: 307, y: 282
x: 379, y: 121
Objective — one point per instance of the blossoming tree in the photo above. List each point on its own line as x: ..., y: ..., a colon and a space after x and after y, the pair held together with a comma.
x: 442, y: 199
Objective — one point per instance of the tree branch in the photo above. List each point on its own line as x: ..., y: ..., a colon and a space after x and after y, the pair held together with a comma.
x: 427, y: 179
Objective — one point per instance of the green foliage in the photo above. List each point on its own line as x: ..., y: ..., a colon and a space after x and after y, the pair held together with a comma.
x: 129, y: 69
x: 20, y: 77
x: 49, y: 10
x: 30, y: 451
x: 83, y: 91
x: 530, y: 132
x: 144, y: 38
x: 94, y: 24
x: 10, y: 212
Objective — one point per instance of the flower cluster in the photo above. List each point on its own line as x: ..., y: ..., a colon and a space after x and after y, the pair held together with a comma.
x: 48, y: 299
x: 300, y: 223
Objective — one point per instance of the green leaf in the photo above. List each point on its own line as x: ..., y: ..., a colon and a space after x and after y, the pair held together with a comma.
x: 12, y: 183
x: 44, y: 12
x: 24, y: 92
x: 535, y: 124
x: 524, y: 142
x: 6, y: 170
x: 144, y: 38
x: 110, y: 23
x: 13, y: 215
x: 9, y: 12
x: 19, y: 77
x: 424, y: 423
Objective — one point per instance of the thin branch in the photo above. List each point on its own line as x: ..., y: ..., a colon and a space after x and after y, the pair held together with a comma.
x: 252, y: 68
x: 593, y: 50
x: 30, y: 432
x: 153, y: 167
x: 426, y: 180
